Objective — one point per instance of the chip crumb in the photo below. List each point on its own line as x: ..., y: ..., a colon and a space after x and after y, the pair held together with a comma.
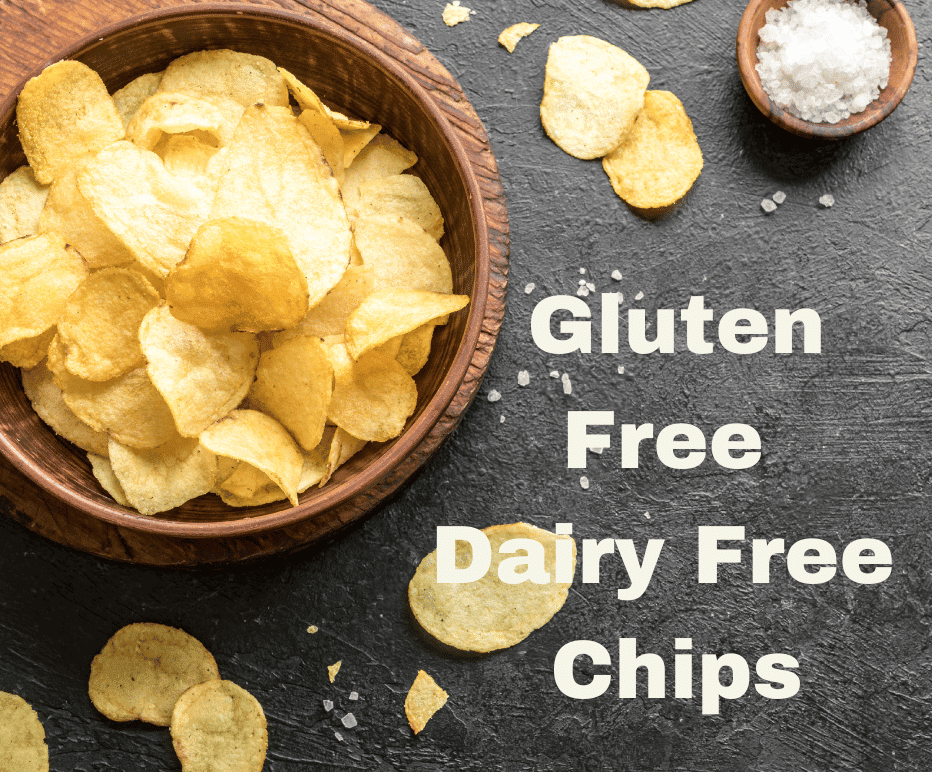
x: 567, y: 386
x: 768, y: 206
x: 529, y: 288
x: 621, y: 369
x: 349, y: 720
x: 524, y: 378
x: 338, y: 736
x: 584, y: 483
x: 354, y: 696
x: 312, y: 629
x: 779, y: 197
x: 424, y: 698
x: 554, y: 374
x: 328, y: 705
x: 510, y: 36
x: 616, y: 275
x: 333, y: 669
x: 827, y: 200
x: 639, y: 296
x: 494, y: 395
x: 455, y: 13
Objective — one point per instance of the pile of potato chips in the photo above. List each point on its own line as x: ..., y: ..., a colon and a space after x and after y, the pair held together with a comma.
x: 210, y: 288
x: 596, y: 105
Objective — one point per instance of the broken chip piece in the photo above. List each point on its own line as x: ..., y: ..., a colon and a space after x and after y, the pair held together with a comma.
x: 22, y: 737
x: 424, y: 698
x: 510, y: 36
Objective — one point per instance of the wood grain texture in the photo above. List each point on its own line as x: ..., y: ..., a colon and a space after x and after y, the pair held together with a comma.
x: 63, y: 24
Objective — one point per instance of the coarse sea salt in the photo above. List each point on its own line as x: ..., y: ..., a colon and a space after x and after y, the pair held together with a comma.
x: 823, y: 60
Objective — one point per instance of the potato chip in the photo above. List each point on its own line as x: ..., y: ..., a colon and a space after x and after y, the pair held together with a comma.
x: 381, y: 157
x: 343, y: 446
x: 593, y: 91
x: 103, y: 472
x: 308, y: 100
x: 218, y: 726
x: 37, y: 274
x: 454, y: 13
x: 69, y: 214
x: 47, y: 401
x: 244, y: 78
x: 415, y: 349
x: 260, y: 440
x: 329, y: 316
x: 489, y: 614
x: 134, y: 93
x: 387, y: 313
x: 184, y: 155
x: 372, y: 397
x: 272, y: 177
x: 99, y: 325
x: 144, y: 668
x: 510, y: 36
x: 402, y: 254
x: 658, y: 3
x: 65, y: 113
x: 293, y: 385
x: 249, y: 487
x: 327, y: 137
x: 424, y: 698
x: 152, y: 212
x: 238, y: 274
x: 354, y: 140
x: 202, y: 375
x: 403, y: 195
x: 128, y: 408
x: 21, y: 202
x: 658, y: 162
x: 165, y: 477
x: 22, y: 737
x: 210, y: 119
x: 27, y: 352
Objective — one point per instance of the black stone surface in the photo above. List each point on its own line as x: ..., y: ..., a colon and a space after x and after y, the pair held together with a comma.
x: 846, y: 439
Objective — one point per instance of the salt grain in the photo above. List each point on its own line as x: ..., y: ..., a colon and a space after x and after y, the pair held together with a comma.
x: 823, y: 60
x: 621, y: 369
x: 338, y: 736
x: 524, y: 378
x: 584, y: 482
x: 501, y: 419
x: 354, y: 695
x: 639, y: 296
x: 616, y: 275
x: 328, y: 705
x: 582, y: 270
x: 768, y: 206
x: 583, y: 292
x: 494, y: 396
x: 567, y: 386
x: 779, y: 197
x: 529, y: 288
x: 827, y: 200
x: 582, y: 282
x: 349, y: 720
x: 591, y: 286
x: 554, y: 374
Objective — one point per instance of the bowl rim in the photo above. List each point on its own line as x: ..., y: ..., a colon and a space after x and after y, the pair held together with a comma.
x: 746, y: 53
x: 433, y: 412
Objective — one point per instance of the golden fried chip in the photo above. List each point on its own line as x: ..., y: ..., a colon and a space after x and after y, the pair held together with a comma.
x: 22, y: 737
x: 238, y: 274
x: 402, y: 254
x: 244, y: 78
x: 27, y: 352
x: 510, y: 36
x: 202, y: 375
x: 218, y: 726
x: 454, y: 13
x: 65, y: 113
x: 372, y: 397
x: 133, y: 94
x: 328, y: 138
x: 658, y: 3
x: 490, y: 614
x: 593, y: 91
x: 333, y: 669
x: 165, y: 477
x: 184, y: 155
x: 37, y: 274
x: 415, y: 349
x: 21, y: 202
x: 658, y: 162
x: 387, y: 313
x: 103, y: 471
x: 329, y: 316
x: 143, y: 670
x: 308, y: 100
x: 211, y: 119
x: 128, y: 408
x: 424, y: 698
x: 293, y: 385
x: 381, y: 157
x: 271, y: 176
x: 47, y: 401
x: 403, y: 195
x: 249, y: 487
x: 69, y: 214
x: 354, y: 140
x: 152, y: 212
x: 99, y: 325
x: 260, y: 440
x: 342, y: 447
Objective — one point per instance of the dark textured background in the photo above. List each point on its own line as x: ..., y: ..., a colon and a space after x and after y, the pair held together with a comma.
x: 846, y: 455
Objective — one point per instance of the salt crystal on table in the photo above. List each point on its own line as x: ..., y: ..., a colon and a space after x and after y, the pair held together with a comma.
x: 349, y: 720
x: 616, y: 275
x: 621, y: 369
x: 328, y: 705
x: 338, y: 736
x: 590, y: 286
x: 768, y: 206
x: 529, y: 288
x: 827, y: 200
x: 524, y: 378
x: 583, y: 292
x: 554, y: 374
x: 494, y: 396
x: 779, y: 197
x: 584, y: 482
x: 639, y: 296
x: 582, y: 282
x: 354, y: 695
x: 567, y: 386
x: 582, y: 270
x: 501, y: 419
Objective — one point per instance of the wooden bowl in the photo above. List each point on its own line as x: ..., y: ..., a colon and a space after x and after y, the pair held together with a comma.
x: 362, y: 81
x: 890, y: 14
